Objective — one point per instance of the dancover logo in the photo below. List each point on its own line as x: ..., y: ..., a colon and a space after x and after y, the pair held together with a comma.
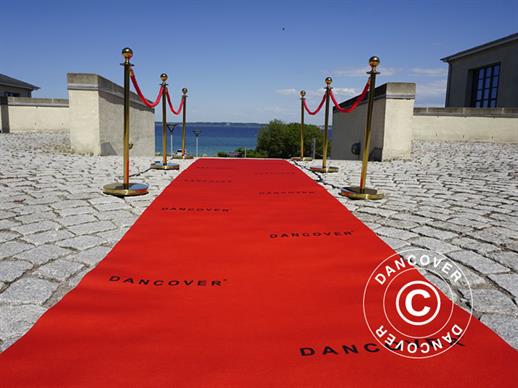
x: 411, y: 316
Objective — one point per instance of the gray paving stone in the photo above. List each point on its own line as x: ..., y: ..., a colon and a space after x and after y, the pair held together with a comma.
x: 113, y: 236
x: 112, y: 206
x: 81, y: 242
x: 92, y: 227
x: 36, y: 217
x: 16, y: 320
x: 474, y: 245
x: 28, y: 291
x: 36, y: 227
x: 73, y: 211
x: 477, y: 262
x: 11, y: 270
x: 8, y: 224
x: 492, y: 301
x: 91, y: 257
x: 433, y: 244
x: 434, y: 233
x: 507, y: 258
x: 33, y: 209
x: 5, y: 214
x: 504, y: 325
x: 69, y: 203
x: 394, y: 243
x: 7, y: 236
x: 77, y: 219
x: 395, y: 233
x: 59, y: 270
x: 11, y: 248
x: 119, y: 217
x: 507, y: 281
x: 47, y: 237
x: 43, y: 254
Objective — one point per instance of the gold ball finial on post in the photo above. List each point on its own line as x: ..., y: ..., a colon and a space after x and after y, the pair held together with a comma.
x: 302, y: 93
x: 163, y: 77
x: 328, y: 81
x: 127, y: 53
x: 184, y: 91
x: 374, y: 61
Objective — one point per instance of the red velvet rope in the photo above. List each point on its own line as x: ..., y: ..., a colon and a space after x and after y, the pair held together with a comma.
x: 180, y: 107
x: 139, y: 92
x: 355, y: 104
x: 318, y: 108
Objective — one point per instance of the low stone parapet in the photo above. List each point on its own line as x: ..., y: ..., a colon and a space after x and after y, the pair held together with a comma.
x: 496, y: 125
x: 25, y: 114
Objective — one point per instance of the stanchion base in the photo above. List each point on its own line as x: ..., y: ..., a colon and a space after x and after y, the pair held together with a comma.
x: 167, y: 166
x: 121, y: 190
x: 324, y: 170
x: 354, y: 192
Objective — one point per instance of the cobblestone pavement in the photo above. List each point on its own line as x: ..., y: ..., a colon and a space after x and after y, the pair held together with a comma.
x: 56, y: 225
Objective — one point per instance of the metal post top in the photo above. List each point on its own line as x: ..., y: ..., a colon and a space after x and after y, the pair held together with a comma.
x: 302, y: 94
x: 184, y: 91
x: 328, y: 82
x: 163, y: 78
x: 127, y: 53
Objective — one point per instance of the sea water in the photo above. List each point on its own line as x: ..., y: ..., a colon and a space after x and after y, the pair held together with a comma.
x: 214, y: 137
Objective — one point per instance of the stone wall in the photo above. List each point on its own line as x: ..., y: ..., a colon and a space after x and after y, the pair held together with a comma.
x: 96, y: 105
x: 23, y: 114
x: 496, y: 125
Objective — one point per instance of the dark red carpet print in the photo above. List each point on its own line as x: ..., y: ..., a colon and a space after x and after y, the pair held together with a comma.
x: 242, y: 273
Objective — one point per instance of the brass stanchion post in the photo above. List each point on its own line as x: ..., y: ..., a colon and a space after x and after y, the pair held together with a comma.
x: 126, y: 188
x: 362, y: 192
x: 184, y: 118
x: 324, y: 167
x: 301, y: 157
x: 164, y: 165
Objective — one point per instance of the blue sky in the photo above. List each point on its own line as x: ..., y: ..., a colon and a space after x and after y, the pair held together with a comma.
x: 247, y: 60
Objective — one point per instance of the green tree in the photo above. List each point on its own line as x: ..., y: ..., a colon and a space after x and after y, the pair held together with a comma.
x: 282, y: 140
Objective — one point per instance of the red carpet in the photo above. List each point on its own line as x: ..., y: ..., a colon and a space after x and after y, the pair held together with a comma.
x: 238, y: 269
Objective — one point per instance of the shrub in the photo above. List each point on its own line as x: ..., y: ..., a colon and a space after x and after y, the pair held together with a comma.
x: 280, y: 140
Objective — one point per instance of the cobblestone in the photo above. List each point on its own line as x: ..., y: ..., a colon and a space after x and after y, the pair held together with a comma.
x: 59, y: 270
x: 12, y: 270
x: 479, y: 263
x: 28, y: 290
x: 42, y: 254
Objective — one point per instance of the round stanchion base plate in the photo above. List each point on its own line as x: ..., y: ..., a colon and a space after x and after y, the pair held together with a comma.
x: 324, y: 170
x: 356, y: 193
x: 167, y: 166
x: 122, y: 190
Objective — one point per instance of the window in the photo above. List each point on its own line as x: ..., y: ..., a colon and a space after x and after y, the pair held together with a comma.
x: 11, y: 94
x: 485, y: 86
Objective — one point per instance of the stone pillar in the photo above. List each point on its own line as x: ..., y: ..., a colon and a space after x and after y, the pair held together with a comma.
x: 96, y: 118
x: 391, y: 125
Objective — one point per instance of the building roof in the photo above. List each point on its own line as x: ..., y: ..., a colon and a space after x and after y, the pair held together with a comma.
x: 485, y: 46
x: 9, y: 81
